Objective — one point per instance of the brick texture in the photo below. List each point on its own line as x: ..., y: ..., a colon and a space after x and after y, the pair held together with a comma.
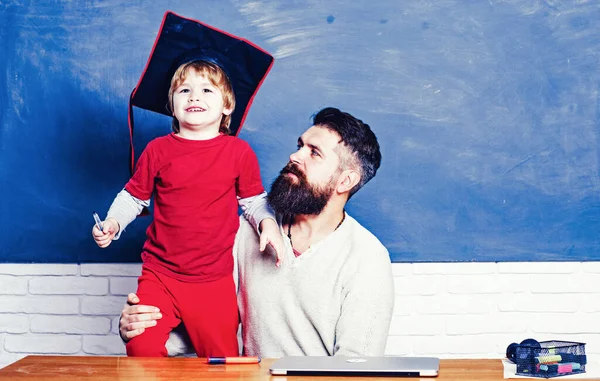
x: 449, y: 310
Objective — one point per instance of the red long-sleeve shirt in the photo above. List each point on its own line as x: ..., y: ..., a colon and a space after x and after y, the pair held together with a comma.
x: 194, y: 184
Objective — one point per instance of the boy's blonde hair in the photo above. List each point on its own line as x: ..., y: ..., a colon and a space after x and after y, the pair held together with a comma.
x: 217, y: 77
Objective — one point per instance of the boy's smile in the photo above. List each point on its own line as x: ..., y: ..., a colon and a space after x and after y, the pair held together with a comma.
x: 194, y: 109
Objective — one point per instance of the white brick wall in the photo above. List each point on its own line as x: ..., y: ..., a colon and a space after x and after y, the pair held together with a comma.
x: 474, y: 310
x: 450, y: 310
x: 62, y: 309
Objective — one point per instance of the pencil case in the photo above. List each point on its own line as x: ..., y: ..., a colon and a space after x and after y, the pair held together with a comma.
x: 548, y: 359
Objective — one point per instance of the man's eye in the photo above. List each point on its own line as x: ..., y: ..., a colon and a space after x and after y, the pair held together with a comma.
x: 314, y: 153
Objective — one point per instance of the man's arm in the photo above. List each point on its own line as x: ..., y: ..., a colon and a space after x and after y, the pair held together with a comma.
x: 363, y: 327
x: 136, y: 318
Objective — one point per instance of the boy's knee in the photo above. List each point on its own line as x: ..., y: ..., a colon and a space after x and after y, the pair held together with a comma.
x: 144, y: 348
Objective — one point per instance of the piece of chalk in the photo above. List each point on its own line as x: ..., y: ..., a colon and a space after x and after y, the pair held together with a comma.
x: 548, y: 359
x: 564, y: 368
x: 574, y: 365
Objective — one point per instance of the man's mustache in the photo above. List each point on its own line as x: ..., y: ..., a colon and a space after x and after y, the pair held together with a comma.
x: 293, y: 169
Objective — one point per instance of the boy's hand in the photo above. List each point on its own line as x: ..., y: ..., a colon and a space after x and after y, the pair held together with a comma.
x: 270, y: 234
x: 110, y: 227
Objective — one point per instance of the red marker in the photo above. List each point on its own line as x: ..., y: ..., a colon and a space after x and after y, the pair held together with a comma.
x: 232, y: 360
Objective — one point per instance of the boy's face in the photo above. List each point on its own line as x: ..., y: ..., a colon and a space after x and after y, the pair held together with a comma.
x: 198, y: 104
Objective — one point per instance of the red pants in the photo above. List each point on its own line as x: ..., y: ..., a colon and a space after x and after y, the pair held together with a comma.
x: 208, y: 311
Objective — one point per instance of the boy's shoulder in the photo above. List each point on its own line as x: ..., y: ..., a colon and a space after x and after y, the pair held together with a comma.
x: 236, y: 142
x: 155, y: 146
x: 159, y: 141
x: 233, y: 139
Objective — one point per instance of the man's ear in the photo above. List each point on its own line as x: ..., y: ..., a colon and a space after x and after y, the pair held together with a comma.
x: 347, y: 180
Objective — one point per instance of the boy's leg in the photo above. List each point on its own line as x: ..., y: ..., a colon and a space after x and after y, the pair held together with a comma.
x: 153, y: 291
x: 210, y: 315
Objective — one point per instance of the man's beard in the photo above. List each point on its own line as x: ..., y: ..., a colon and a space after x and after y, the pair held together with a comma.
x: 289, y: 198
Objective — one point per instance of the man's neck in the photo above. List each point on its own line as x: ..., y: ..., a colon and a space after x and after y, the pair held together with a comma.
x: 306, y: 230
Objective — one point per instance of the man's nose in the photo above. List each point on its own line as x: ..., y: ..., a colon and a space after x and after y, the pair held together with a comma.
x: 296, y: 157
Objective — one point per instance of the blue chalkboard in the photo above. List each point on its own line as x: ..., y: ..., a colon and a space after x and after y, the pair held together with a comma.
x: 487, y: 113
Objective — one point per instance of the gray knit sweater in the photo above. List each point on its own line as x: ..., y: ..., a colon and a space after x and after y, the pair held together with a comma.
x: 337, y: 298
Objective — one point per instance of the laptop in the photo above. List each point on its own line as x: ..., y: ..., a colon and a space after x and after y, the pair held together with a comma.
x: 392, y: 366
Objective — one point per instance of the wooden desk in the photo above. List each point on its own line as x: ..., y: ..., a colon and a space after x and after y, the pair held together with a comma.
x: 95, y: 368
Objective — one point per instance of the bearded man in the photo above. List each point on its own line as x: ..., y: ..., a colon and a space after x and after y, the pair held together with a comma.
x: 334, y: 292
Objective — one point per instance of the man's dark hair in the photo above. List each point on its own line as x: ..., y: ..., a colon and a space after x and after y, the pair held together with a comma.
x: 360, y: 142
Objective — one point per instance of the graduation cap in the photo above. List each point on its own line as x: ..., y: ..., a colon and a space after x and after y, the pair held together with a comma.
x: 181, y: 40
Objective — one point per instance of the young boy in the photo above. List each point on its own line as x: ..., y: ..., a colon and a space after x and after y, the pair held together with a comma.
x: 196, y: 174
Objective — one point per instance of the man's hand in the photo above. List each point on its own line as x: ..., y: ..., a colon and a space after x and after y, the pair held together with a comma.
x: 136, y: 318
x: 270, y: 234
